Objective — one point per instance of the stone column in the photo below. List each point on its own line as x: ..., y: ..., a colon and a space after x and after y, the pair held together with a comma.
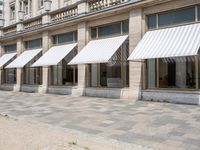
x: 135, y: 72
x: 82, y: 41
x: 35, y: 7
x: 19, y: 22
x: 20, y: 49
x: 1, y: 71
x: 82, y: 7
x: 46, y: 18
x: 45, y: 47
x: 181, y: 74
x: 17, y: 8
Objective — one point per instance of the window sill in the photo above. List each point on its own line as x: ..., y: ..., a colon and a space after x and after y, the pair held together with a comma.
x: 63, y: 86
x: 108, y: 88
x: 31, y: 85
x: 8, y: 84
x: 186, y: 91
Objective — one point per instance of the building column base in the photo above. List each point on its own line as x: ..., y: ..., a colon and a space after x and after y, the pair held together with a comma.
x: 17, y: 88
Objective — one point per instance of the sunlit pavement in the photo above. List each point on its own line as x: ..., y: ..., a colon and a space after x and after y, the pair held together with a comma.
x: 156, y: 125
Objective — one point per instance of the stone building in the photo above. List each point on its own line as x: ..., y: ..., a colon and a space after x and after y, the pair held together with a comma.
x: 132, y: 49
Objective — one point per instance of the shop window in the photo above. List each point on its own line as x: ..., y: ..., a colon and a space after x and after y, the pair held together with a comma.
x: 32, y: 75
x: 151, y: 73
x: 177, y: 73
x: 151, y: 21
x: 63, y: 74
x: 184, y: 15
x: 114, y: 74
x: 9, y: 76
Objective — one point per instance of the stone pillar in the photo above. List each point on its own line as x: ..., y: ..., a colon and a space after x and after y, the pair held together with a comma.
x: 82, y: 73
x: 82, y: 7
x: 17, y: 8
x: 46, y: 19
x: 20, y: 49
x: 135, y: 72
x: 20, y: 27
x: 35, y: 7
x: 46, y: 46
x: 1, y: 71
x: 181, y: 74
x: 1, y: 32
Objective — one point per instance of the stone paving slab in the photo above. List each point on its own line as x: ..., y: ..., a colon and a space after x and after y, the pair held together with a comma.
x: 157, y: 125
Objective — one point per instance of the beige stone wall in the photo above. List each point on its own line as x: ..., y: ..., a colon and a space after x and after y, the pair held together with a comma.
x: 135, y: 69
x: 137, y: 28
x: 20, y: 48
x: 82, y: 69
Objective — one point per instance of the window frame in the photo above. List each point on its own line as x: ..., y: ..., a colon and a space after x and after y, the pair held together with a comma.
x: 176, y: 24
x: 27, y: 44
x: 122, y: 31
x: 55, y: 38
x: 12, y: 11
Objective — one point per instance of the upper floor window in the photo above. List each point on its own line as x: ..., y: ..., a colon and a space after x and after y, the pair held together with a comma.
x: 65, y: 38
x: 26, y: 6
x: 1, y: 3
x: 198, y: 13
x: 1, y: 13
x: 152, y: 21
x: 26, y: 11
x: 111, y: 29
x: 10, y: 48
x: 176, y: 17
x: 12, y: 11
x: 41, y: 3
x: 33, y: 44
x: 170, y: 18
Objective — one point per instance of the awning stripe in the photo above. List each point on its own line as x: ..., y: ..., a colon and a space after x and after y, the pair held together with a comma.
x: 98, y: 51
x: 170, y: 42
x: 24, y: 58
x: 54, y: 55
x: 6, y: 58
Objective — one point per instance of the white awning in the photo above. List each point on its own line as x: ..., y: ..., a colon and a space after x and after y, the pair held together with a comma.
x: 54, y: 55
x: 24, y: 58
x: 5, y: 58
x: 98, y: 51
x: 171, y: 42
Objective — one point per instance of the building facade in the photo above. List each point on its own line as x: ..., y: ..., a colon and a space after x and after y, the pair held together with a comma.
x: 133, y: 49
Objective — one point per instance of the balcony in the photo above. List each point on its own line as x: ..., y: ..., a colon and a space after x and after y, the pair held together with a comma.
x: 64, y: 14
x: 33, y: 24
x: 10, y: 30
x: 95, y: 5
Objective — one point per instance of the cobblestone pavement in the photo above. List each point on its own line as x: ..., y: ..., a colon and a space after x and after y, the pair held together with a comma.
x: 158, y: 125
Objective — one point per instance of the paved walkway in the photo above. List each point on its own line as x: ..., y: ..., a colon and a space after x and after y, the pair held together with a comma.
x: 157, y: 125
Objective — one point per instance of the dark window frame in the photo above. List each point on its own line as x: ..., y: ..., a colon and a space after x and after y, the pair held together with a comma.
x: 196, y: 14
x: 122, y: 29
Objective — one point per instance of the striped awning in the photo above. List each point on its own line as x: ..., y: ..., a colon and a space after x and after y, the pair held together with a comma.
x: 170, y: 42
x: 98, y: 51
x: 6, y: 58
x: 54, y: 55
x: 24, y: 58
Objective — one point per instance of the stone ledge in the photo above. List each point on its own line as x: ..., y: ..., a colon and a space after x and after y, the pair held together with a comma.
x: 184, y: 97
